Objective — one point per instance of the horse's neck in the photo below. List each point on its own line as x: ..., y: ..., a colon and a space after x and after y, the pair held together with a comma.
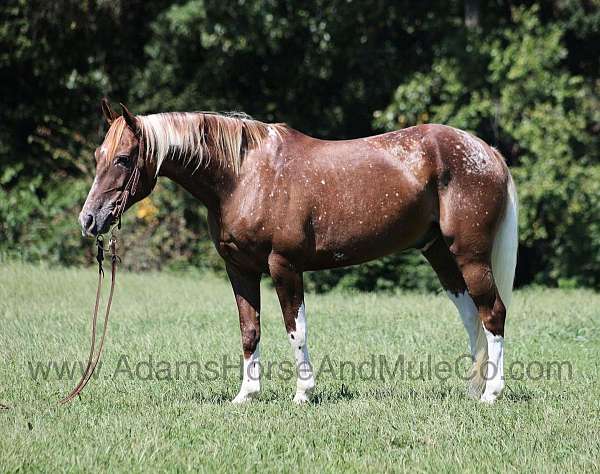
x: 210, y: 184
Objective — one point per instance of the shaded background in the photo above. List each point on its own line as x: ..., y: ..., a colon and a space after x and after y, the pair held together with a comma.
x: 522, y: 75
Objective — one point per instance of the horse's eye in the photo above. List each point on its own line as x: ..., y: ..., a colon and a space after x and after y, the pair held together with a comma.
x: 122, y: 160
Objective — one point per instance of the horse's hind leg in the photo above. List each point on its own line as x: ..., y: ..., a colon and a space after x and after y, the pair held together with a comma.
x: 477, y: 273
x: 290, y: 290
x: 483, y: 240
x: 446, y: 268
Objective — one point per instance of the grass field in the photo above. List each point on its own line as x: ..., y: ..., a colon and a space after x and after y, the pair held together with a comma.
x: 409, y: 422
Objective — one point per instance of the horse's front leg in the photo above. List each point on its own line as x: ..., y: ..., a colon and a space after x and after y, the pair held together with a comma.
x: 246, y: 287
x: 290, y: 290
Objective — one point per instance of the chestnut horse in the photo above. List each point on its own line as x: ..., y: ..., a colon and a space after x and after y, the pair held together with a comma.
x: 280, y: 202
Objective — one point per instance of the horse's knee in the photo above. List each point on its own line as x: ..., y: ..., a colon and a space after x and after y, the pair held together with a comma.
x: 250, y: 339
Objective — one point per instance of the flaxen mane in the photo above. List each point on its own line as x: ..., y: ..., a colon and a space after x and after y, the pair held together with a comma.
x: 195, y: 137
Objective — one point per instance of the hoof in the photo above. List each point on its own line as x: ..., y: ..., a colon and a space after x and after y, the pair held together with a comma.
x: 301, y: 398
x: 242, y: 398
x: 304, y: 390
x: 488, y: 400
x: 493, y: 391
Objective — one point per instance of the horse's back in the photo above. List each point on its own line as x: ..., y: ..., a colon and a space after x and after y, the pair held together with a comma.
x: 348, y: 201
x: 359, y: 199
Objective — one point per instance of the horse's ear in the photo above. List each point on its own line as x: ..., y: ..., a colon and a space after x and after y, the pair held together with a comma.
x: 130, y: 120
x: 109, y: 114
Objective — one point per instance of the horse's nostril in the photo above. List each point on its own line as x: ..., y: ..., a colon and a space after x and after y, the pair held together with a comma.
x: 88, y: 222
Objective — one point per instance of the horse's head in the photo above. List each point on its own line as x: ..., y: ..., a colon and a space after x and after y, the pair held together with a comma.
x: 122, y: 175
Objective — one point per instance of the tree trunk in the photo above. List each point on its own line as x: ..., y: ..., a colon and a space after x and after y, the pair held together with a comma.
x: 472, y: 9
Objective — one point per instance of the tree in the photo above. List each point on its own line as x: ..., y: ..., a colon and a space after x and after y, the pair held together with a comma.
x: 526, y: 102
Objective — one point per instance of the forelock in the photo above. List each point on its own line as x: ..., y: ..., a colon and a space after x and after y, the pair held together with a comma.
x: 112, y: 139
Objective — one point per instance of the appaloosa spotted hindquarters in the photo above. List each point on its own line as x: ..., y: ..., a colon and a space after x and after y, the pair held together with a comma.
x: 280, y: 202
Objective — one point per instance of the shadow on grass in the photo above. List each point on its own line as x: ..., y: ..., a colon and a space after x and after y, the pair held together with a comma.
x: 344, y: 393
x: 436, y: 393
x: 518, y: 394
x: 213, y: 398
x: 334, y: 395
x: 383, y: 393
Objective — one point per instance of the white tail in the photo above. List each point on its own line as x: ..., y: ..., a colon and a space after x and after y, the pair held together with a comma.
x: 506, y: 242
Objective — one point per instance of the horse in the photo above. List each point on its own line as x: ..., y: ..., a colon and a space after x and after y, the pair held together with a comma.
x: 281, y: 203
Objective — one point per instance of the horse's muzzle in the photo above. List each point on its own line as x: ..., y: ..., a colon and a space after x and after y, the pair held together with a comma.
x: 95, y: 224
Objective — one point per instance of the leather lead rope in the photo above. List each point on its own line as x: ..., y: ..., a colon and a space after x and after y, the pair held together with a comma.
x: 93, y: 358
x: 94, y: 355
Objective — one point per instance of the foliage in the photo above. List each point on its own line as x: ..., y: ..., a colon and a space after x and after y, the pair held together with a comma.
x: 541, y: 116
x: 523, y: 76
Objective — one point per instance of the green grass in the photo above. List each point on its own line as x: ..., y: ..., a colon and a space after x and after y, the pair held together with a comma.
x: 406, y: 423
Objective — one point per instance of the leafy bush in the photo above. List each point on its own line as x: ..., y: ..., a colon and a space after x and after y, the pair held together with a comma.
x: 538, y: 114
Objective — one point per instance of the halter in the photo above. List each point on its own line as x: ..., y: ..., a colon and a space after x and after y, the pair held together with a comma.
x: 131, y: 185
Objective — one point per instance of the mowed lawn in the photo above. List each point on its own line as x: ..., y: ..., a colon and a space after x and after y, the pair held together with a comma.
x: 418, y: 419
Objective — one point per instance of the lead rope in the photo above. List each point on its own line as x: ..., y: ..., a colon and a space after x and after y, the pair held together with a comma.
x: 94, y: 356
x: 129, y: 190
